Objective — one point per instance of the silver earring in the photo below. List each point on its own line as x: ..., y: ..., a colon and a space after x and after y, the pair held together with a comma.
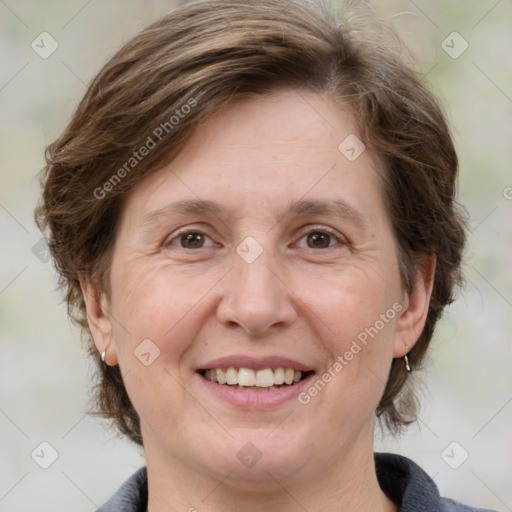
x: 406, y: 359
x: 103, y: 354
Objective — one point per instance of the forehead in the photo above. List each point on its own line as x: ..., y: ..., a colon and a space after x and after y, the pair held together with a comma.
x: 267, y: 152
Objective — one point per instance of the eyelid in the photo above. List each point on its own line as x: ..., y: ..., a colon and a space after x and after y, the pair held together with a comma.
x: 341, y: 239
x: 175, y: 235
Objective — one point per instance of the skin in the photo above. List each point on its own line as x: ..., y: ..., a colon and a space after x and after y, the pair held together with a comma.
x: 254, y: 159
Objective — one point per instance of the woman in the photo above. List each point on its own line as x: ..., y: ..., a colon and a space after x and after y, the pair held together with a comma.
x: 252, y: 212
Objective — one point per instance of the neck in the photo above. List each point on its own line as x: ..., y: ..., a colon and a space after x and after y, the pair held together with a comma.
x: 347, y: 482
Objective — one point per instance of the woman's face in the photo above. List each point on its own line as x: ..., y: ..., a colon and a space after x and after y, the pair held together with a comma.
x: 263, y: 250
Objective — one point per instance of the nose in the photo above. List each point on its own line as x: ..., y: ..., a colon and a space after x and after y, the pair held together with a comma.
x: 256, y: 298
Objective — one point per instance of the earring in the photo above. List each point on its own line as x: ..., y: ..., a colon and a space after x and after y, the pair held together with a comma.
x: 406, y: 359
x: 103, y: 354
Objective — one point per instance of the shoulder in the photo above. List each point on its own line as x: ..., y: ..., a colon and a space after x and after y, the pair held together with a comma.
x: 449, y: 505
x: 399, y: 477
x: 132, y: 496
x: 408, y: 485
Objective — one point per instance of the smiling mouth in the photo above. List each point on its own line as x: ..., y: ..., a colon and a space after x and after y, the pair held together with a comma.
x: 247, y: 379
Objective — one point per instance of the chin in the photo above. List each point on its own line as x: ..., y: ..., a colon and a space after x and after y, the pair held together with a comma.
x: 254, y: 458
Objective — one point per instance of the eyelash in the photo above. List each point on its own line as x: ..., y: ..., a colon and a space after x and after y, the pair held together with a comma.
x: 339, y: 239
x: 180, y: 234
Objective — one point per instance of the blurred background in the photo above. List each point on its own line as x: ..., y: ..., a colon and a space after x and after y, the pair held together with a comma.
x: 49, y: 51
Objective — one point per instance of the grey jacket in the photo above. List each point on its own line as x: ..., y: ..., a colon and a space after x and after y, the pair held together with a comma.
x: 402, y: 480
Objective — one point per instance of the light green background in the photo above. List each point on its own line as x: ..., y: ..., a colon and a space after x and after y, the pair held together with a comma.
x: 44, y: 375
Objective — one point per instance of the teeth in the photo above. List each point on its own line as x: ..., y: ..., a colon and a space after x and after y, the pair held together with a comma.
x: 246, y: 377
x: 264, y: 378
x: 231, y: 376
x: 250, y: 380
x: 221, y: 376
x: 279, y: 376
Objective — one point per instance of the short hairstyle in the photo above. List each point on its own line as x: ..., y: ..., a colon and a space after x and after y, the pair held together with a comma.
x: 185, y: 67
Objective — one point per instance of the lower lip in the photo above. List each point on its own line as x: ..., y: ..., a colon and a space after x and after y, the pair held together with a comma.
x: 254, y: 400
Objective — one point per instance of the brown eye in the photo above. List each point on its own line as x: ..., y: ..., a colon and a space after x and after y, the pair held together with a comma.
x: 192, y: 240
x: 318, y: 240
x: 189, y: 240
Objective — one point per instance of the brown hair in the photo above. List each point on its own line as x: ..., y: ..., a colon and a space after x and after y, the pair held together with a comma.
x: 186, y: 66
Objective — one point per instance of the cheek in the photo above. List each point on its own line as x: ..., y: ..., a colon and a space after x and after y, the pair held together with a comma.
x: 355, y: 314
x: 158, y: 313
x: 159, y: 303
x: 348, y: 301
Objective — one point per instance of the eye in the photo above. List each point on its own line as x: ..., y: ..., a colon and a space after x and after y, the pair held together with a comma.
x: 190, y: 240
x: 319, y: 239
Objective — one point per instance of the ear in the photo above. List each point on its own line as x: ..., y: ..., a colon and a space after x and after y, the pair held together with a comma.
x: 98, y: 317
x: 415, y: 308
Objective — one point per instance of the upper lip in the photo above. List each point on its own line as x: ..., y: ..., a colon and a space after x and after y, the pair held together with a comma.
x: 255, y: 363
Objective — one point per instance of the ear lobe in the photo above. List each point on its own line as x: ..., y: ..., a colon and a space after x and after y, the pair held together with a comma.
x: 99, y: 320
x: 416, y: 305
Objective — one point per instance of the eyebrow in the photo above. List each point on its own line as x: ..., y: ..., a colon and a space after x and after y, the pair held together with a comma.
x: 187, y: 207
x: 298, y: 208
x: 336, y: 207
